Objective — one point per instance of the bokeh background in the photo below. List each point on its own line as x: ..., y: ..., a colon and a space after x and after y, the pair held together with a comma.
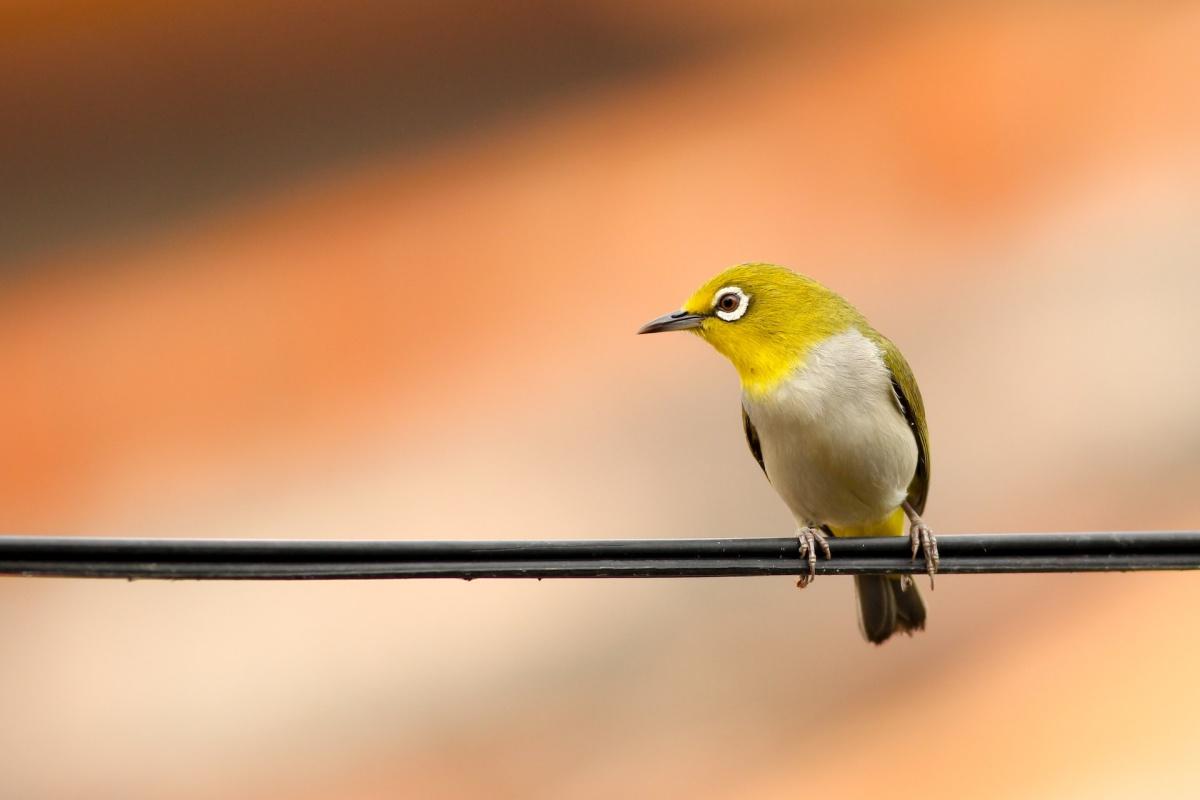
x: 372, y: 269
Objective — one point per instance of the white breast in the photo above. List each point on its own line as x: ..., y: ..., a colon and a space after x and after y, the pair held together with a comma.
x: 836, y: 445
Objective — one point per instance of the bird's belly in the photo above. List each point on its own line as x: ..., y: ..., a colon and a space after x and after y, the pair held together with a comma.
x: 843, y: 459
x: 838, y: 483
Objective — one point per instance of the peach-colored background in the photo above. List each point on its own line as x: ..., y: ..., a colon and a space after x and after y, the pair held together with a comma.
x: 373, y: 270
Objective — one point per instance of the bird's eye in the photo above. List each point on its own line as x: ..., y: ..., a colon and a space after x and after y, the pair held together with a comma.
x: 731, y: 303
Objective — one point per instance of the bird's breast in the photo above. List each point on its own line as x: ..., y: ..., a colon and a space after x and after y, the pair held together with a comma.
x: 834, y: 440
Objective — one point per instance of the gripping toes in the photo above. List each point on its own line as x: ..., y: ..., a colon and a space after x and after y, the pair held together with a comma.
x: 810, y: 539
x: 923, y: 539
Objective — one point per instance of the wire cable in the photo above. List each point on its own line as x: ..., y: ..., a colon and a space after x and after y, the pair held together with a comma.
x: 273, y: 559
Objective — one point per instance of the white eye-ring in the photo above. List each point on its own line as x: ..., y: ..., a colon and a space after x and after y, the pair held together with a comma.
x: 731, y: 303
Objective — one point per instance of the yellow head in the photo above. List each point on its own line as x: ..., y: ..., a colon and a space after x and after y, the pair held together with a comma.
x: 762, y: 317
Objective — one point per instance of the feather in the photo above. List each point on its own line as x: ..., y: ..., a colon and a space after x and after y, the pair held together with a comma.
x: 909, y: 403
x: 753, y: 441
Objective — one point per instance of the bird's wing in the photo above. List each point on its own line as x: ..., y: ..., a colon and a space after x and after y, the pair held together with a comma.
x: 752, y: 440
x: 908, y: 400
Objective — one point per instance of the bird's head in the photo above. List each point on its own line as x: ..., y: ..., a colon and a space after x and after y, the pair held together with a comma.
x: 762, y: 317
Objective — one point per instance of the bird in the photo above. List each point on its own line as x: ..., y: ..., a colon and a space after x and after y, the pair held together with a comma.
x: 833, y: 416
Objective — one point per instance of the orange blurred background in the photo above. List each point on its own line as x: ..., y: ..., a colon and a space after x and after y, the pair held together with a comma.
x: 373, y: 269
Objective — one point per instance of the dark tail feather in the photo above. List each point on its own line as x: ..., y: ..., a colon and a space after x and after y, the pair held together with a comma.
x: 884, y: 608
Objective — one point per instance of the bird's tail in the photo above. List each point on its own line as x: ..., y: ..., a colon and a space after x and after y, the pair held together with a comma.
x: 884, y: 607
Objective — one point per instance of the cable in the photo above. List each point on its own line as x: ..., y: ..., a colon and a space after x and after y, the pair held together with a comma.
x: 270, y: 559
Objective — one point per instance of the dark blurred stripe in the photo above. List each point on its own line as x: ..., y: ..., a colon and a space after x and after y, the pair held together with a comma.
x: 139, y: 117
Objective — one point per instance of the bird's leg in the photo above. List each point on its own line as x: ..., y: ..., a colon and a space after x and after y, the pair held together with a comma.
x: 922, y: 538
x: 810, y: 538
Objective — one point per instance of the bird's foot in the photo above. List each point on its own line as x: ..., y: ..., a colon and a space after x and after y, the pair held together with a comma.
x: 922, y: 538
x: 810, y: 539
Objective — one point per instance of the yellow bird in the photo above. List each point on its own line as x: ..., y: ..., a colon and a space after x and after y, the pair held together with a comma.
x: 832, y: 414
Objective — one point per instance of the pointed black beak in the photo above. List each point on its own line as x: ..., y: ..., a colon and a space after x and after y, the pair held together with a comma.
x: 679, y: 321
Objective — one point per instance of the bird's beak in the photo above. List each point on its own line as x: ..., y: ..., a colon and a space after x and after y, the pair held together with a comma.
x: 678, y: 321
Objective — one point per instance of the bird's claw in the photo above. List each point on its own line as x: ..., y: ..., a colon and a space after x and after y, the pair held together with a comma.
x: 922, y: 538
x: 810, y: 539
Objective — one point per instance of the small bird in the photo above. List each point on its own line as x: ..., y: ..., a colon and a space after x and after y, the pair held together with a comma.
x: 832, y: 414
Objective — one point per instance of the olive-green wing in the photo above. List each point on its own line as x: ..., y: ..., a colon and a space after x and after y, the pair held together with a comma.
x: 752, y: 440
x: 908, y: 399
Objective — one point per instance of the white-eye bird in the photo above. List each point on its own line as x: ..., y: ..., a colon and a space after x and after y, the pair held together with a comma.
x: 832, y: 414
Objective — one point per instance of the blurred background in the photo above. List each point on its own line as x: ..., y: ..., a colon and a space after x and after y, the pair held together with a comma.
x: 373, y: 269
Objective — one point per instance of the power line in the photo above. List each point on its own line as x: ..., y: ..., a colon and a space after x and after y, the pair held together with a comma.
x: 271, y: 559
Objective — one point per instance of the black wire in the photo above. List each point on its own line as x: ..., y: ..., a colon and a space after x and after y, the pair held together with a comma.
x: 244, y: 559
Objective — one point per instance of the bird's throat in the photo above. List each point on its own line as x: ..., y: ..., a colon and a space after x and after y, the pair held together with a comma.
x: 763, y: 368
